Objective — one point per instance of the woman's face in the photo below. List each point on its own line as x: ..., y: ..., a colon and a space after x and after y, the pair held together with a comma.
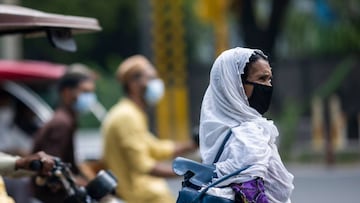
x: 259, y: 72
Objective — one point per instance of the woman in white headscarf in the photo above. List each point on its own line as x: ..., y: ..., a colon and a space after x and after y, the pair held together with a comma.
x: 238, y: 95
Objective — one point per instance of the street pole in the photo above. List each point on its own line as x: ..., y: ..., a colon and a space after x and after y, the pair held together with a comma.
x: 11, y: 46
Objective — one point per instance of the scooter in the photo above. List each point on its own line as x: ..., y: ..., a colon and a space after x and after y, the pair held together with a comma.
x: 103, y: 184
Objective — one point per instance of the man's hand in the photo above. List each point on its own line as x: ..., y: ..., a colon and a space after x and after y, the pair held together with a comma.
x: 185, y: 147
x: 47, y: 163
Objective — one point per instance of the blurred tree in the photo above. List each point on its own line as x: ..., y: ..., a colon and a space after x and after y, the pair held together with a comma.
x: 215, y: 13
x: 319, y: 28
x: 117, y: 40
x: 256, y: 33
x: 292, y: 28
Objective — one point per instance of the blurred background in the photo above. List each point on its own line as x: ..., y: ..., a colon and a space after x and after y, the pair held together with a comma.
x: 313, y: 45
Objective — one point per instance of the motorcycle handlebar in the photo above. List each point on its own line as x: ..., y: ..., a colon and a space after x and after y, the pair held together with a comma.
x: 35, y: 165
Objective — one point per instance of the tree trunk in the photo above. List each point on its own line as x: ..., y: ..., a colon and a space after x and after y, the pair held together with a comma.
x: 255, y: 36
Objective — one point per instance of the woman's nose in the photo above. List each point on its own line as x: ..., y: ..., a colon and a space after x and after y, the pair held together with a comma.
x: 269, y: 83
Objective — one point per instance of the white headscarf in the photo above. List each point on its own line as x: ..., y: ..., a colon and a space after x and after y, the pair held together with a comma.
x: 225, y: 106
x: 225, y: 103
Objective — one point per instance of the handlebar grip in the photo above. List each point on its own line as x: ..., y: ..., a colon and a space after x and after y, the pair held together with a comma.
x: 35, y: 165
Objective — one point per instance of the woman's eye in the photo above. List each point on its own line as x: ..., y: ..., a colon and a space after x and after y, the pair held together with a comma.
x: 264, y: 79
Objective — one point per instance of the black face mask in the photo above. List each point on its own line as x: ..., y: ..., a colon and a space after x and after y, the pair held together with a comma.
x: 260, y: 98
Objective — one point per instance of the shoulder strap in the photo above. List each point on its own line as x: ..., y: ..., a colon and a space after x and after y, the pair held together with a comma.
x: 221, y: 149
x: 203, y: 191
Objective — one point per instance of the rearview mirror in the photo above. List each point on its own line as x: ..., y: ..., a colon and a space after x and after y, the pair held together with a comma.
x: 61, y: 38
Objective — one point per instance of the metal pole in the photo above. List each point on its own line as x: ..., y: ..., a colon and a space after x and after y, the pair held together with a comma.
x: 11, y: 45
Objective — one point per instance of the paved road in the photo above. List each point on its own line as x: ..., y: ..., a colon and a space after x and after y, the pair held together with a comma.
x: 328, y: 185
x: 313, y: 183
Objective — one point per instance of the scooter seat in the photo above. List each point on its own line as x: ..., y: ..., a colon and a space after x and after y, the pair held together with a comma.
x: 196, y: 173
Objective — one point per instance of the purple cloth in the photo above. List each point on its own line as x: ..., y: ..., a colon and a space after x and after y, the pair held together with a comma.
x: 252, y: 191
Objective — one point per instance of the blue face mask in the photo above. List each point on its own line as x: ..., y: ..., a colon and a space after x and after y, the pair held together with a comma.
x: 154, y: 91
x: 84, y: 102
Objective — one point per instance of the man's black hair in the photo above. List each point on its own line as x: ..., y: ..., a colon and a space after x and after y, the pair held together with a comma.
x: 258, y: 54
x: 71, y: 80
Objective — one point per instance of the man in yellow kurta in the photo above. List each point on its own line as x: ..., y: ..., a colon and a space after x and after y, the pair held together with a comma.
x: 131, y: 151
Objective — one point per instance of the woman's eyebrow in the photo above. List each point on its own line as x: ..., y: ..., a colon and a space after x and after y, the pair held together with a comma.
x: 265, y: 73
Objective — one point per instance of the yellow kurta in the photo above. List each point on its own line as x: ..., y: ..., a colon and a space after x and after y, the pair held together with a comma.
x: 131, y: 152
x: 4, y: 198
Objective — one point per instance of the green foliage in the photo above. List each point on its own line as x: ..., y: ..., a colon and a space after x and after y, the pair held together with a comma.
x: 336, y: 78
x: 119, y: 37
x: 198, y: 36
x: 108, y: 92
x: 307, y: 35
x: 288, y: 121
x: 293, y: 110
